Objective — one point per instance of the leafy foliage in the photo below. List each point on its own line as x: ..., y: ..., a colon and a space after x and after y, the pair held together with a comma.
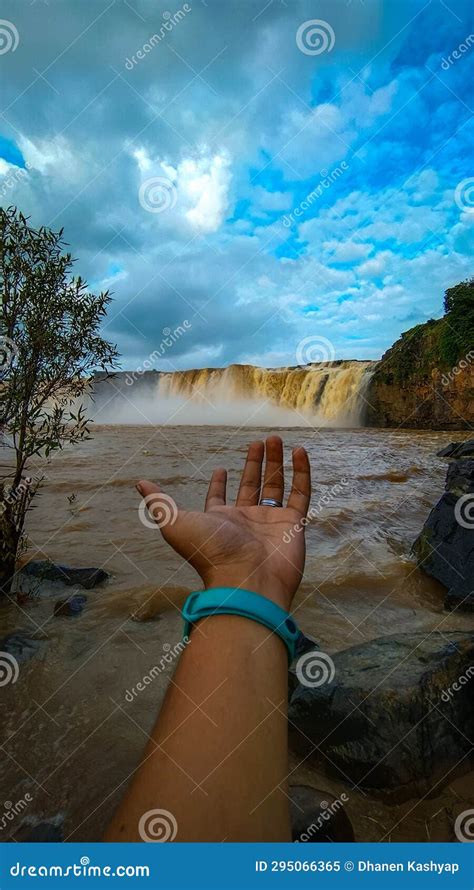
x: 51, y: 343
x: 436, y: 344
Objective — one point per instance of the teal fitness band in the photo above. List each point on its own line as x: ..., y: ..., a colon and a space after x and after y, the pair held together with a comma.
x: 234, y: 601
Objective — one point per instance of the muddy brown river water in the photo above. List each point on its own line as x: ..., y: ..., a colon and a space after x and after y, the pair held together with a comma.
x: 72, y: 736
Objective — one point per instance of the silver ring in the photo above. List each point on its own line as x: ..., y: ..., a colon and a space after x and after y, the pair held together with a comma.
x: 269, y: 502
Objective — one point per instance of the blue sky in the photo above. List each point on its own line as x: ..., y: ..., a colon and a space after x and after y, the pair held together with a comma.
x: 180, y: 168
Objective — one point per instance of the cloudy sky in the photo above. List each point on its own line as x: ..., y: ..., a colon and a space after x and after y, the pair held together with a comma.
x: 177, y: 144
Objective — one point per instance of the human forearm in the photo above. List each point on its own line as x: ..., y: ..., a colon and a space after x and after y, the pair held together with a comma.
x: 217, y: 757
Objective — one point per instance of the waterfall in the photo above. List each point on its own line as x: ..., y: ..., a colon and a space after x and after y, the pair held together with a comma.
x: 327, y: 394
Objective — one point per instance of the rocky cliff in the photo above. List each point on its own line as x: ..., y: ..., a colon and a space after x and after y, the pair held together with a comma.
x: 426, y: 379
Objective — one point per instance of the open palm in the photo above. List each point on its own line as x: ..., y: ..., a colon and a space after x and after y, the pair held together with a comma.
x: 247, y: 545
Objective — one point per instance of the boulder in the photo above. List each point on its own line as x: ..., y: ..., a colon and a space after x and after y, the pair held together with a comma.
x: 458, y: 449
x: 21, y: 645
x: 318, y: 817
x: 45, y: 570
x: 70, y: 607
x: 445, y: 546
x: 396, y: 714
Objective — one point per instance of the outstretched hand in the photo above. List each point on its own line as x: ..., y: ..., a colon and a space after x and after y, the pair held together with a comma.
x: 247, y: 545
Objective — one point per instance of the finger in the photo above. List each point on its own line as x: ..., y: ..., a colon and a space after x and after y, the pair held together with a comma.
x: 156, y: 505
x: 249, y: 491
x: 300, y: 493
x: 216, y: 491
x: 273, y: 482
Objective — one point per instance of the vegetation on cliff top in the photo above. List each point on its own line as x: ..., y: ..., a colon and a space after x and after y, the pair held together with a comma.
x: 436, y: 344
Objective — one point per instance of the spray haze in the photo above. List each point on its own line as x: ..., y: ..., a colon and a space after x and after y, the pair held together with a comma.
x: 328, y: 393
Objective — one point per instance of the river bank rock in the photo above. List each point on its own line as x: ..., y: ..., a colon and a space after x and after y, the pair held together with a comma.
x: 71, y: 607
x: 390, y: 718
x: 458, y: 449
x: 445, y: 546
x: 21, y: 646
x: 45, y: 570
x: 318, y: 817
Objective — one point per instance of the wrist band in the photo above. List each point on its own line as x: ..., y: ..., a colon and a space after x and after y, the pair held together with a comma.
x: 245, y: 603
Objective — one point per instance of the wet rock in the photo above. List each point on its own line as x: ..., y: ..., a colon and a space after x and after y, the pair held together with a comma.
x: 458, y: 449
x: 21, y: 646
x: 70, y: 607
x: 318, y: 817
x: 45, y: 570
x: 45, y: 832
x: 445, y: 546
x: 305, y: 644
x: 391, y: 718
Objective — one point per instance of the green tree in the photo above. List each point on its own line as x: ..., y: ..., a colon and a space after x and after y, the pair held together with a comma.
x: 50, y: 344
x: 457, y: 336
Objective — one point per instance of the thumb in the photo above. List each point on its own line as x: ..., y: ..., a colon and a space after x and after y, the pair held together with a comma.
x: 156, y: 507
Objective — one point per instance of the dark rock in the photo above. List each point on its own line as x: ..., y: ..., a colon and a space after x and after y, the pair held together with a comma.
x: 70, y: 607
x: 445, y: 546
x: 49, y: 571
x: 305, y: 644
x: 45, y: 832
x: 21, y: 646
x: 459, y: 600
x: 458, y: 449
x: 389, y: 719
x: 318, y: 817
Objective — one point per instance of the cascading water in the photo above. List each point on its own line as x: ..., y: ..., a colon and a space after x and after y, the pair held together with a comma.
x: 327, y: 393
